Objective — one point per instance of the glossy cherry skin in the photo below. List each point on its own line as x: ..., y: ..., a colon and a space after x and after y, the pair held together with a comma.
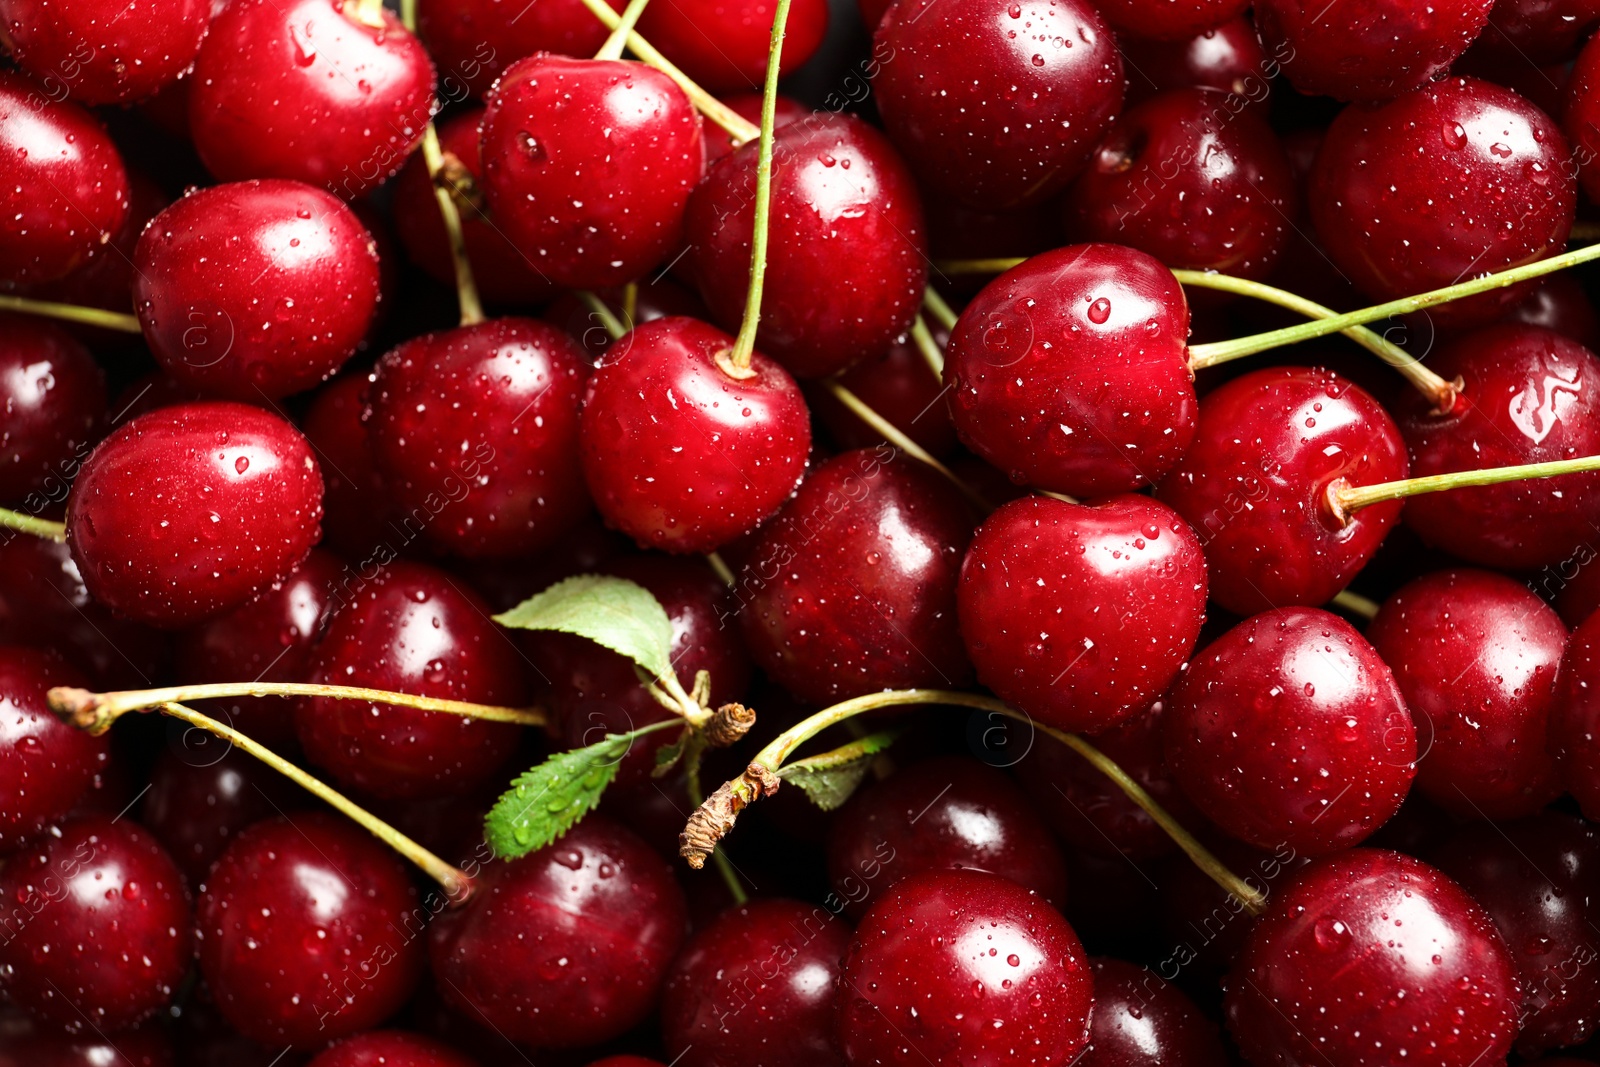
x: 199, y: 801
x: 679, y: 455
x: 984, y: 105
x: 305, y: 90
x: 1367, y: 957
x: 588, y: 164
x: 947, y: 813
x: 52, y: 406
x: 900, y: 386
x: 847, y: 258
x: 1290, y: 729
x: 1140, y: 1020
x: 475, y: 431
x: 97, y: 927
x: 24, y: 1043
x: 359, y: 512
x: 964, y: 967
x: 1581, y: 119
x: 1539, y: 880
x: 566, y: 946
x: 1227, y: 57
x: 1081, y: 615
x: 190, y: 511
x: 309, y: 931
x: 1168, y: 21
x: 253, y: 289
x: 391, y: 1048
x: 1499, y: 192
x: 853, y: 587
x: 1367, y: 49
x: 723, y: 47
x: 1070, y: 372
x: 1530, y: 396
x: 472, y: 42
x: 1476, y: 655
x: 63, y: 188
x: 1559, y: 303
x: 410, y: 629
x: 104, y: 53
x: 1538, y: 31
x: 1254, y: 485
x: 757, y: 986
x: 1194, y: 180
x: 1575, y: 717
x: 46, y: 766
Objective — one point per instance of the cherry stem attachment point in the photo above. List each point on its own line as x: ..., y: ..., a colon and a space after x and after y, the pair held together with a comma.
x: 1356, y: 604
x: 941, y: 311
x: 29, y: 524
x: 370, y: 13
x: 923, y: 338
x: 445, y: 193
x: 895, y: 437
x: 597, y: 307
x: 87, y: 316
x: 1344, y: 498
x: 614, y: 44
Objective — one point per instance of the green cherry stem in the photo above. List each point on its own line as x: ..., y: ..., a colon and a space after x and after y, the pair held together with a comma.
x: 597, y: 307
x: 28, y: 524
x: 1356, y: 604
x: 932, y: 354
x: 941, y: 311
x: 892, y: 434
x: 49, y: 309
x: 1344, y: 498
x: 613, y: 46
x: 723, y: 571
x: 370, y: 13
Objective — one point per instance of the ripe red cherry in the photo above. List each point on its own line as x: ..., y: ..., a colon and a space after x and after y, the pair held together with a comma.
x: 1167, y: 21
x: 1070, y: 372
x: 724, y: 47
x: 191, y: 510
x: 587, y: 165
x: 98, y: 930
x: 63, y: 188
x: 962, y: 966
x: 900, y: 386
x: 411, y: 630
x: 757, y: 986
x: 45, y: 765
x: 391, y: 1048
x: 199, y: 801
x: 309, y: 931
x: 1560, y: 303
x: 1476, y: 654
x: 1254, y: 485
x: 1227, y: 57
x: 566, y: 946
x: 255, y: 289
x: 679, y: 455
x: 24, y: 1043
x: 1081, y: 615
x: 53, y: 400
x: 847, y: 258
x: 473, y: 41
x: 1581, y: 120
x: 1537, y: 31
x: 359, y: 513
x: 1575, y: 717
x: 1539, y: 880
x: 946, y: 813
x: 305, y: 90
x: 1139, y: 1020
x: 1289, y: 729
x: 1367, y: 51
x: 104, y: 53
x: 853, y: 587
x: 985, y: 105
x: 1530, y: 396
x: 1499, y: 192
x: 1373, y: 958
x: 1191, y: 180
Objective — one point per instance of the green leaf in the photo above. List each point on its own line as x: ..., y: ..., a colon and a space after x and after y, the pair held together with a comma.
x: 829, y: 779
x: 548, y: 800
x: 614, y: 612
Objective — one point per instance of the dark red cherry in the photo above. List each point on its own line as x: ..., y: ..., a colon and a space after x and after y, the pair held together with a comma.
x: 63, y: 188
x: 962, y: 966
x: 847, y: 258
x: 1539, y: 880
x: 757, y: 986
x: 1581, y: 119
x: 1227, y: 57
x: 1168, y: 21
x: 1499, y: 191
x: 1560, y: 303
x: 1141, y: 1020
x: 1522, y: 32
x: 201, y: 796
x: 679, y: 455
x: 190, y: 511
x: 104, y: 53
x: 566, y: 946
x: 1087, y: 809
x: 1070, y: 372
x: 309, y: 931
x: 46, y: 766
x: 1367, y: 49
x: 410, y: 629
x: 1530, y: 396
x: 306, y: 90
x: 1373, y: 958
x: 985, y: 105
x: 853, y: 587
x: 359, y: 513
x: 1191, y: 180
x: 1290, y: 729
x: 1572, y: 586
x: 1254, y: 485
x: 587, y: 166
x: 24, y: 1043
x: 472, y: 41
x: 52, y: 406
x: 626, y: 1061
x: 1081, y: 615
x: 253, y: 289
x: 943, y: 814
x: 98, y: 929
x: 501, y: 271
x: 391, y: 1048
x: 900, y: 386
x: 1207, y: 924
x: 269, y: 639
x: 1575, y: 717
x: 724, y: 46
x: 1476, y: 654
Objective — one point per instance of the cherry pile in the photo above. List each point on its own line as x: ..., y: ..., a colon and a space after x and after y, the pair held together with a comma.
x: 1068, y: 535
